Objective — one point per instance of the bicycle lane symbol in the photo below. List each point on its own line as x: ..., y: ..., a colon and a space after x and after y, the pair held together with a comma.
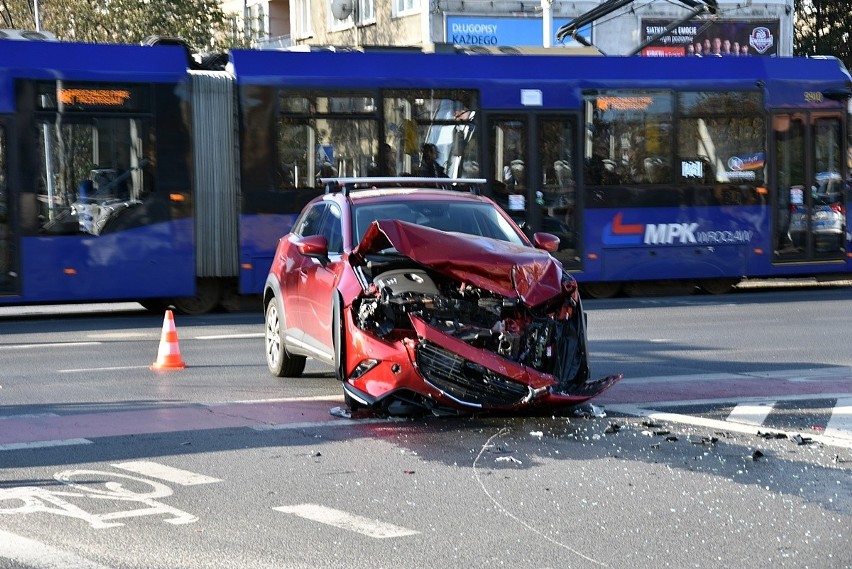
x: 105, y: 489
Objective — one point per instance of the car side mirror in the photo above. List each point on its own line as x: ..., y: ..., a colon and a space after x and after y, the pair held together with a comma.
x: 315, y: 246
x: 546, y: 241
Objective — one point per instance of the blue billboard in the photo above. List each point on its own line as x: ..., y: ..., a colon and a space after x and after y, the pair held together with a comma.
x: 487, y: 31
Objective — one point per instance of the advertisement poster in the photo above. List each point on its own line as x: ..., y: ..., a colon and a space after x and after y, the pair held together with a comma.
x: 506, y: 31
x: 721, y: 38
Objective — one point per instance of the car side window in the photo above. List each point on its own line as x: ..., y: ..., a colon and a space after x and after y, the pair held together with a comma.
x: 331, y: 229
x: 311, y: 222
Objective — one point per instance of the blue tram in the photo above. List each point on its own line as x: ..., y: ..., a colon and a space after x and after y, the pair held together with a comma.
x: 145, y: 173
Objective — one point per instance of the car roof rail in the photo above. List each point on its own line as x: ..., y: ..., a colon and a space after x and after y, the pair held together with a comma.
x: 347, y: 185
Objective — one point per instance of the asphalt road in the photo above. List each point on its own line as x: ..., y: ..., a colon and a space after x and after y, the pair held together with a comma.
x: 725, y: 446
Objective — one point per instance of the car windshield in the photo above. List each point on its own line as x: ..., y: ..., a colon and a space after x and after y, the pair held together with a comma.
x: 472, y: 218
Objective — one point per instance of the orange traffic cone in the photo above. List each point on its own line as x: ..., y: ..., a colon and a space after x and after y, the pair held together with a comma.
x: 169, y: 354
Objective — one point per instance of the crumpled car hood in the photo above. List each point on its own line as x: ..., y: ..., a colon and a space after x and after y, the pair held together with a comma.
x: 507, y: 269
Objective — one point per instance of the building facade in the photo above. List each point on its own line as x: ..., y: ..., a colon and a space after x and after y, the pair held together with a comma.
x: 647, y: 28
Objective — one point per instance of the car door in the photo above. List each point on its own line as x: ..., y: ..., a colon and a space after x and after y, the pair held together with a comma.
x: 295, y: 267
x: 317, y: 285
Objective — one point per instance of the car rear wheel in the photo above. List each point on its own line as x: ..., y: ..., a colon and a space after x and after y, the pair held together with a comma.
x: 279, y: 362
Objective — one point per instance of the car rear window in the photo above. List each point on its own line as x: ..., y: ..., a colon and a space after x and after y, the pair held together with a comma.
x: 480, y: 219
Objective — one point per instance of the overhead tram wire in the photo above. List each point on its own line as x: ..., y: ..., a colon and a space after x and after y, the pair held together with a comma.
x: 573, y: 27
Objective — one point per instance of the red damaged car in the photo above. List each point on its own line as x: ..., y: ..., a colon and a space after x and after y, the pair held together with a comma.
x: 426, y: 299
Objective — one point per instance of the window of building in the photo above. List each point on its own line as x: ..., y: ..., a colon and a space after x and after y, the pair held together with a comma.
x: 366, y: 13
x: 405, y: 7
x: 335, y: 24
x: 303, y: 27
x: 258, y: 20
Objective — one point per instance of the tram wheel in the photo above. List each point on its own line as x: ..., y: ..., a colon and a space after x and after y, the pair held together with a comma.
x: 208, y: 293
x: 156, y: 305
x: 600, y: 290
x: 659, y: 288
x: 718, y: 286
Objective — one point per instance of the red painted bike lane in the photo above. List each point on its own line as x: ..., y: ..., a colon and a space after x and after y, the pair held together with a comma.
x: 30, y: 430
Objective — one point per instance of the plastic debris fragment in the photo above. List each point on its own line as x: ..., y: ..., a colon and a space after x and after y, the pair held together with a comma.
x: 508, y: 459
x: 589, y: 410
x: 771, y: 435
x: 340, y: 412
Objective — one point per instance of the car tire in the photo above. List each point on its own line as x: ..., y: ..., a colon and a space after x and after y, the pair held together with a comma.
x: 278, y: 360
x: 338, y: 338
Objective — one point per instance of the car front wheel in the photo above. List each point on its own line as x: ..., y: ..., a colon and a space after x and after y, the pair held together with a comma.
x: 279, y: 362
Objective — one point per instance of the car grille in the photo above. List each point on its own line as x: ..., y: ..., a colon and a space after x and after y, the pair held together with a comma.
x: 467, y: 381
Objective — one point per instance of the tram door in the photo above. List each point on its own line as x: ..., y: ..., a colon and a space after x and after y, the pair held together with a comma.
x: 532, y: 167
x: 810, y: 199
x: 8, y: 265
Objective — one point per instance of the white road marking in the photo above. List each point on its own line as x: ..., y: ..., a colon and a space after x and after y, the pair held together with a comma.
x: 344, y: 520
x: 90, y: 369
x: 751, y: 414
x: 54, y: 345
x: 331, y: 398
x: 36, y: 555
x: 231, y: 336
x: 840, y: 424
x: 168, y: 473
x: 45, y: 444
x: 122, y: 335
x: 841, y: 439
x: 29, y: 416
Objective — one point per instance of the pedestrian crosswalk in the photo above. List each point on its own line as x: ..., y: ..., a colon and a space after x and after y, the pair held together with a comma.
x: 825, y: 418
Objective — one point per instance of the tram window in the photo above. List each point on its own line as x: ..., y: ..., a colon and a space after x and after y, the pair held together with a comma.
x: 92, y: 171
x: 721, y: 150
x: 322, y: 135
x: 827, y: 147
x: 443, y: 117
x: 309, y: 149
x: 629, y: 138
x: 721, y: 144
x: 706, y: 103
